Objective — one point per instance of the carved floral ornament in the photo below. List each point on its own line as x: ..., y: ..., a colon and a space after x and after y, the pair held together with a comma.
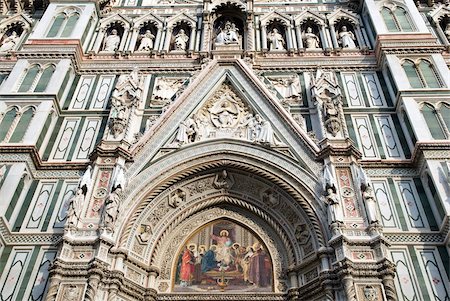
x: 226, y: 115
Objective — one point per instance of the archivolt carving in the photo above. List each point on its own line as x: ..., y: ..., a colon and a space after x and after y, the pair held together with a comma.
x: 161, y: 178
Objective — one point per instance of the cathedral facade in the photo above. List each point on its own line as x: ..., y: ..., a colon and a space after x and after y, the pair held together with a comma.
x: 159, y: 150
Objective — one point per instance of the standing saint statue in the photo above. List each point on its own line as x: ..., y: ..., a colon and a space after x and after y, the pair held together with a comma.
x: 111, y: 209
x: 276, y: 41
x: 112, y: 41
x: 181, y: 40
x: 146, y: 41
x: 346, y: 38
x: 10, y: 42
x: 311, y: 40
x: 371, y: 206
x: 75, y: 208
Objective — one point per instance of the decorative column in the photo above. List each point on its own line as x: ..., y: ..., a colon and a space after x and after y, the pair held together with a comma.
x: 323, y: 37
x: 158, y: 38
x: 359, y: 37
x: 124, y: 39
x: 133, y: 40
x: 192, y: 40
x: 258, y: 34
x: 264, y: 37
x: 298, y: 32
x: 250, y: 34
x: 289, y: 38
x: 293, y: 36
x: 166, y: 45
x: 333, y: 36
x: 98, y: 42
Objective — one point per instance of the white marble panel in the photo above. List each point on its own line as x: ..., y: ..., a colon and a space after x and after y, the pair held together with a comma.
x: 40, y: 285
x: 405, y: 280
x: 385, y: 204
x: 411, y: 206
x: 13, y: 272
x: 88, y: 135
x: 102, y: 92
x: 373, y: 89
x: 82, y: 92
x: 40, y: 203
x: 437, y: 281
x: 389, y: 138
x: 352, y: 92
x: 65, y: 139
x: 365, y: 137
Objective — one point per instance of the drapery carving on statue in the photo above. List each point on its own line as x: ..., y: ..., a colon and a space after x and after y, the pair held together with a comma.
x: 165, y: 90
x: 225, y: 115
x: 335, y: 215
x: 112, y: 204
x: 328, y: 98
x: 76, y: 203
x: 125, y: 97
x: 368, y: 197
x: 288, y: 87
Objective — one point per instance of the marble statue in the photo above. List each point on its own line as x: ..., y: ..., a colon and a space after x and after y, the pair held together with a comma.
x: 181, y: 40
x: 346, y: 38
x: 111, y: 209
x: 266, y: 134
x: 311, y: 40
x: 86, y: 180
x: 228, y: 34
x: 371, y: 207
x: 112, y: 41
x: 276, y: 41
x: 75, y: 207
x: 333, y: 205
x: 288, y: 87
x: 146, y: 41
x: 10, y: 42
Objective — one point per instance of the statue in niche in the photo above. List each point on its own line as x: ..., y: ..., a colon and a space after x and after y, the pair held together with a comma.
x: 370, y: 294
x: 311, y: 40
x: 447, y: 31
x: 118, y: 116
x: 146, y: 41
x: 330, y: 107
x: 229, y: 34
x: 276, y: 40
x: 10, y: 42
x: 176, y: 198
x: 181, y: 40
x: 346, y: 38
x: 112, y: 41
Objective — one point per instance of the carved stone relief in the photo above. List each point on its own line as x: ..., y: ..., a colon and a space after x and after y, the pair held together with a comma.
x: 288, y: 87
x: 225, y: 115
x: 165, y: 90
